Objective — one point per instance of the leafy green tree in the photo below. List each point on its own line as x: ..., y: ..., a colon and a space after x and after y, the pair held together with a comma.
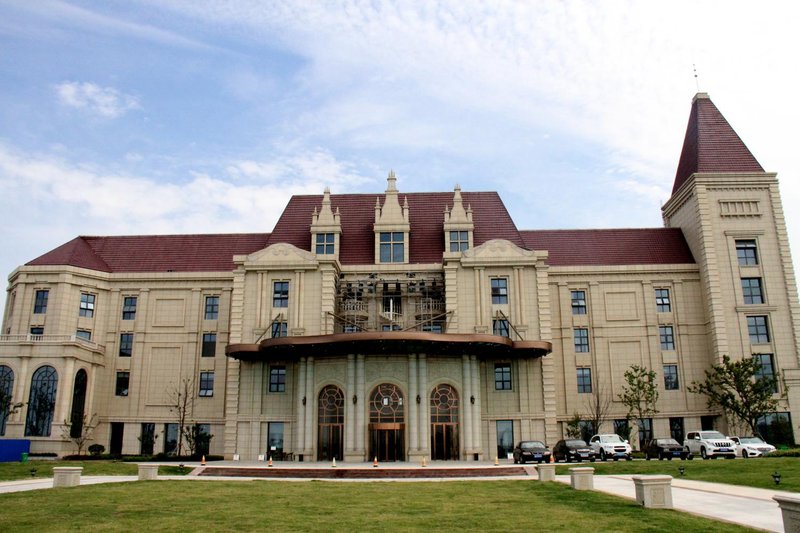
x: 739, y: 389
x: 574, y: 426
x: 640, y: 395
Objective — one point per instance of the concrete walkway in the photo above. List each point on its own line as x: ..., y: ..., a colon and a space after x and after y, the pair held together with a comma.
x: 747, y: 506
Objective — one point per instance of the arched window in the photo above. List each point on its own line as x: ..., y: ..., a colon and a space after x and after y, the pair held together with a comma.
x: 331, y: 424
x: 386, y: 404
x: 6, y: 391
x: 42, y: 402
x: 78, y: 404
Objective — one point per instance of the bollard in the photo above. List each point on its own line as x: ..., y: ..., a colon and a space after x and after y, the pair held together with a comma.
x: 67, y: 476
x: 581, y: 478
x: 148, y: 472
x: 654, y: 492
x: 546, y: 472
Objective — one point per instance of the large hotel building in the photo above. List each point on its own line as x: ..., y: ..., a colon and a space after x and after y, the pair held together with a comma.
x: 407, y: 325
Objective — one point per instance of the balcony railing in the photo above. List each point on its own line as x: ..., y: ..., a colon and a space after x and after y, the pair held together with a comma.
x: 50, y: 339
x: 430, y: 307
x: 354, y: 306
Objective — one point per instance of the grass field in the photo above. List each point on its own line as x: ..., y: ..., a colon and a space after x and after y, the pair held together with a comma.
x: 11, y: 471
x: 329, y: 506
x: 749, y: 472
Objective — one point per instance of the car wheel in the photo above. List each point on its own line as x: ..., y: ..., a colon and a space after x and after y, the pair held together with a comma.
x: 592, y: 459
x: 730, y: 457
x: 744, y: 454
x: 616, y: 459
x: 647, y: 456
x: 629, y: 458
x: 602, y: 455
x: 669, y: 458
x: 703, y: 454
x: 660, y: 456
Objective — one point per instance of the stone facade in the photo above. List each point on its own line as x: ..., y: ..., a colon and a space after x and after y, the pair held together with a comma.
x: 400, y: 326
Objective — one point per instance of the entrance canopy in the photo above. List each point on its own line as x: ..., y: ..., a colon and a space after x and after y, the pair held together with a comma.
x: 388, y: 343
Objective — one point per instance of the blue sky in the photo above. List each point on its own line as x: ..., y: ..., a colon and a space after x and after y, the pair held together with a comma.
x: 129, y: 117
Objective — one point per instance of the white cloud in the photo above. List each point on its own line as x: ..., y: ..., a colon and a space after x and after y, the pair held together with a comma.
x: 106, y: 102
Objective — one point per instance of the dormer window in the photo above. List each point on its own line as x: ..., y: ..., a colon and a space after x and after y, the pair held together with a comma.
x: 325, y: 243
x: 392, y: 246
x: 459, y: 241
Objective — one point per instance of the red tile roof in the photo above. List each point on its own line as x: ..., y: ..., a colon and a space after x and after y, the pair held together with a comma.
x: 711, y: 145
x: 426, y: 215
x: 599, y: 247
x: 155, y: 253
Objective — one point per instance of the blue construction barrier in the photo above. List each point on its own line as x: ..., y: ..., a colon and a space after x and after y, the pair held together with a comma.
x: 11, y: 450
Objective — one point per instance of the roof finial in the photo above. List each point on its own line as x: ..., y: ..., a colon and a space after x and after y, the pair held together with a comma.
x: 696, y: 80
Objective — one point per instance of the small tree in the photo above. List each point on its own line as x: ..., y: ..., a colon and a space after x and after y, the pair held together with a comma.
x: 7, y: 407
x: 737, y: 388
x: 79, y: 431
x: 197, y: 440
x: 573, y: 430
x: 598, y: 406
x: 639, y: 395
x: 181, y: 402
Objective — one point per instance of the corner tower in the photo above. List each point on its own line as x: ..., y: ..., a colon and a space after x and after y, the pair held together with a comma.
x: 730, y: 212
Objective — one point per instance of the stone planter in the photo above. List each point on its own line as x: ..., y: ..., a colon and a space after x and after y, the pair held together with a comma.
x: 582, y: 478
x: 67, y: 476
x: 654, y: 492
x: 790, y: 509
x: 148, y: 472
x: 546, y: 472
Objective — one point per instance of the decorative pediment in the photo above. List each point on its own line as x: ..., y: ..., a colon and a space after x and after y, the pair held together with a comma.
x: 283, y: 254
x: 498, y: 250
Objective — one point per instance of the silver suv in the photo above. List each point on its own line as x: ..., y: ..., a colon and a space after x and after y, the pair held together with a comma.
x: 709, y: 444
x: 611, y: 446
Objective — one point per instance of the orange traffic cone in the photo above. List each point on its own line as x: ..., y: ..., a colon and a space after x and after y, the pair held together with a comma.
x: 375, y: 462
x: 270, y: 461
x: 552, y: 460
x: 203, y: 461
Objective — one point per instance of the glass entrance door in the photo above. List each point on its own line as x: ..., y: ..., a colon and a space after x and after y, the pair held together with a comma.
x: 330, y: 444
x: 444, y: 423
x: 387, y: 442
x: 387, y: 423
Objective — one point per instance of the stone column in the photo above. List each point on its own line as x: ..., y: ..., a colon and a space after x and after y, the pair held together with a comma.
x: 350, y: 419
x: 477, y: 423
x: 466, y: 393
x: 424, y: 438
x: 310, y: 404
x: 300, y: 419
x: 361, y: 407
x: 413, y: 407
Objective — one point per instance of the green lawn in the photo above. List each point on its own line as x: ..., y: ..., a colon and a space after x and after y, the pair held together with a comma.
x: 510, y: 505
x: 750, y: 472
x: 10, y: 471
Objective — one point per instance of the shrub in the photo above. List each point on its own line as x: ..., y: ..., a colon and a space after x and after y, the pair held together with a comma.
x: 96, y: 449
x: 793, y: 452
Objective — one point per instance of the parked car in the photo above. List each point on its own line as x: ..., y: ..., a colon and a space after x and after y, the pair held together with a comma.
x: 751, y: 446
x: 709, y: 444
x: 665, y: 449
x: 611, y: 446
x: 531, y: 450
x: 573, y: 450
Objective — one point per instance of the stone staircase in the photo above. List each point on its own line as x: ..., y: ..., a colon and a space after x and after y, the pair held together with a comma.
x: 365, y: 473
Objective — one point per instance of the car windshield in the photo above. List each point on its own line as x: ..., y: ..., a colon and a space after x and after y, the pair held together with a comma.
x: 576, y: 444
x: 668, y: 442
x: 705, y: 435
x: 750, y: 440
x: 531, y: 444
x: 610, y: 438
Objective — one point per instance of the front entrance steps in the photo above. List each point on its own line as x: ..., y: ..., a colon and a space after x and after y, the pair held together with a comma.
x: 366, y: 471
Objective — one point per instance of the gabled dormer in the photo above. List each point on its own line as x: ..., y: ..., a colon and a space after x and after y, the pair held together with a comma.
x: 458, y: 226
x: 326, y: 229
x: 392, y: 226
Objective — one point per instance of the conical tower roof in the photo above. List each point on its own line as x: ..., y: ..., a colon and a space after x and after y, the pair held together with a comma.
x: 711, y: 145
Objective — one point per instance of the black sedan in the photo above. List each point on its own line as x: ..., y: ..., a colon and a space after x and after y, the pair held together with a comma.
x: 665, y: 449
x: 573, y: 450
x: 531, y: 450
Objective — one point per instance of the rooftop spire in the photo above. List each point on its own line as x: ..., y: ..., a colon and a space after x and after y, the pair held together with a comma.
x: 711, y: 145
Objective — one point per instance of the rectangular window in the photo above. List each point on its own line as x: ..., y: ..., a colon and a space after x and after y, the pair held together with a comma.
x: 500, y: 327
x: 123, y: 379
x: 206, y: 384
x: 766, y: 368
x: 275, y: 439
x: 758, y: 329
x: 83, y: 334
x: 125, y: 344
x: 499, y: 291
x: 747, y: 252
x: 37, y: 331
x: 663, y: 305
x: 40, y: 302
x: 581, y: 337
x: 87, y: 305
x: 325, y: 243
x: 209, y: 345
x: 277, y: 379
x: 645, y: 432
x: 147, y: 438
x: 390, y: 327
x: 751, y: 291
x: 622, y: 428
x: 502, y: 376
x: 505, y: 438
x: 666, y: 337
x: 391, y: 247
x: 578, y: 302
x: 212, y: 308
x: 433, y: 327
x: 170, y: 439
x: 671, y: 377
x: 459, y: 241
x: 129, y: 308
x: 279, y: 328
x: 584, y: 380
x: 280, y: 294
